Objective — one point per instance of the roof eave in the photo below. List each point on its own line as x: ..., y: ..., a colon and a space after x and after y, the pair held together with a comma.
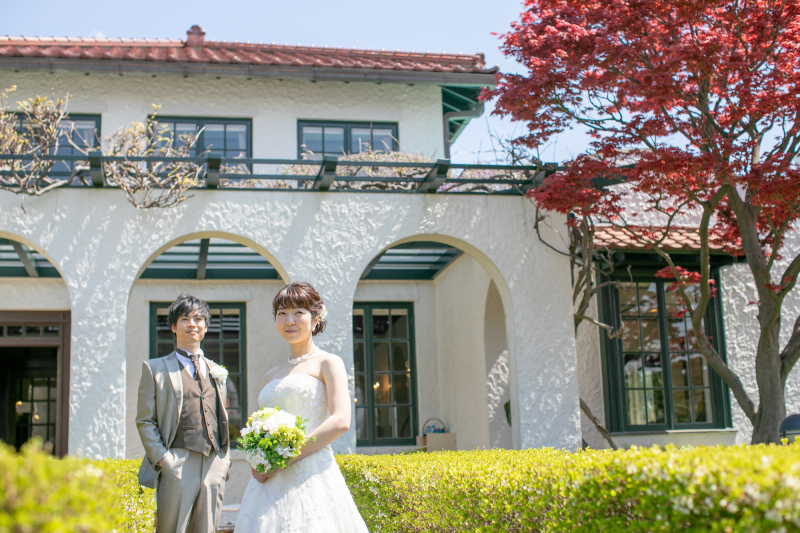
x: 256, y: 71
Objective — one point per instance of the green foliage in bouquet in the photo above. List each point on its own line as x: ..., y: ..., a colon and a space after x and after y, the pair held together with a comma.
x: 719, y: 489
x: 40, y: 493
x: 272, y: 438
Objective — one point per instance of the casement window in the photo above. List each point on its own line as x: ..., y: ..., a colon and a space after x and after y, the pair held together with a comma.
x: 341, y: 138
x: 77, y: 133
x: 655, y: 376
x: 228, y: 138
x: 385, y: 373
x: 224, y: 343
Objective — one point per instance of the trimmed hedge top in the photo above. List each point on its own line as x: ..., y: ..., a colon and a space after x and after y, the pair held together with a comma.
x: 725, y: 489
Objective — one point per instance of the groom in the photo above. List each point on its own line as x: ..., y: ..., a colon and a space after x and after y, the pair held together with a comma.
x: 183, y: 425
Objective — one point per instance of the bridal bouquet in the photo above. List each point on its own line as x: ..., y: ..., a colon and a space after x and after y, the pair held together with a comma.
x: 272, y: 438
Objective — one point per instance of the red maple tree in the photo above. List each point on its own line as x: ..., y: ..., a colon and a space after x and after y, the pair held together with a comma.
x: 695, y: 105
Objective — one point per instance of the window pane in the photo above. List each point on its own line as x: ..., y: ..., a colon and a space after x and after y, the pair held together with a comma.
x: 382, y: 140
x: 383, y: 389
x: 402, y: 390
x: 33, y: 331
x: 628, y: 300
x: 630, y: 335
x: 380, y: 323
x: 361, y: 388
x: 655, y: 407
x: 680, y: 370
x: 14, y: 331
x: 236, y: 137
x: 633, y: 370
x: 212, y: 351
x: 312, y: 139
x: 653, y: 377
x: 673, y: 302
x: 213, y: 331
x: 651, y: 336
x: 334, y: 141
x: 51, y: 412
x: 48, y: 332
x: 399, y: 323
x: 230, y: 357
x: 403, y: 422
x: 214, y: 138
x: 699, y: 370
x: 359, y: 139
x: 702, y: 405
x: 383, y: 423
x: 40, y: 389
x: 648, y: 301
x: 182, y: 133
x: 361, y: 423
x: 678, y: 340
x: 636, y: 408
x: 682, y: 406
x: 381, y: 356
x: 358, y: 324
x: 400, y: 362
x: 358, y: 357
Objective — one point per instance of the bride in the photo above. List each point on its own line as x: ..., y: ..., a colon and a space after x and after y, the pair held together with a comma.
x: 310, y: 494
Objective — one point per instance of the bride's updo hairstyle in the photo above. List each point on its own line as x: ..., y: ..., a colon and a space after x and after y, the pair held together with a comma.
x: 301, y: 294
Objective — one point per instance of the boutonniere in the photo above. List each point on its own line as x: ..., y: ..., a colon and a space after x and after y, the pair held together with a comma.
x: 220, y: 373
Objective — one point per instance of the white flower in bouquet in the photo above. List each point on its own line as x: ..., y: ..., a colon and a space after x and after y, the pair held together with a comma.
x: 272, y: 438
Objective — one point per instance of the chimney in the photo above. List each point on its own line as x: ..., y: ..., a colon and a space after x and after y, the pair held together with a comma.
x: 195, y: 37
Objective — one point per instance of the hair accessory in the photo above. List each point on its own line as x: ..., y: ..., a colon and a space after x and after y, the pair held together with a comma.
x: 323, y: 314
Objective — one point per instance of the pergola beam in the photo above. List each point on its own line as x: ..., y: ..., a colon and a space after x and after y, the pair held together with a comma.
x: 26, y: 258
x: 202, y: 260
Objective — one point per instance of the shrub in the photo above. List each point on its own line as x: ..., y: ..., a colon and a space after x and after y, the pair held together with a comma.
x: 725, y: 489
x: 39, y: 493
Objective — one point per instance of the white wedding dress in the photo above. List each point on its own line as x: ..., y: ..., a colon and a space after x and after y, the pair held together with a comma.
x: 311, y: 495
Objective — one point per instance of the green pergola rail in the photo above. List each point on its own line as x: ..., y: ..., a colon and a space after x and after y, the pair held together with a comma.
x: 434, y: 177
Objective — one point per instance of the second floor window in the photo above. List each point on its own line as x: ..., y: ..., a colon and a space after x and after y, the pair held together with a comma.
x: 228, y: 138
x: 76, y: 134
x: 341, y: 138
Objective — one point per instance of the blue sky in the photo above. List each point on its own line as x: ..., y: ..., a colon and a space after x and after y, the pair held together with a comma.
x: 435, y: 25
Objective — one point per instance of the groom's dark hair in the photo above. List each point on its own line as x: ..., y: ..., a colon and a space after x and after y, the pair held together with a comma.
x: 187, y: 304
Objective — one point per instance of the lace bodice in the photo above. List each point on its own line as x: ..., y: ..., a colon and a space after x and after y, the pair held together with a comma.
x: 297, y: 394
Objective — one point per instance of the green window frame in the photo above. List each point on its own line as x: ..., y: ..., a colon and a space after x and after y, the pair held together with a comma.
x: 225, y: 343
x: 226, y: 137
x: 654, y: 377
x: 385, y: 373
x: 337, y: 138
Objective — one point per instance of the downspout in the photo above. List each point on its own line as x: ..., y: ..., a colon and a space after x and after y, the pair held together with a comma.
x: 474, y: 113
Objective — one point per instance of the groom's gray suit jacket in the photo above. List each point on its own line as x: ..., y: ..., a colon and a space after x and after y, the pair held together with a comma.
x: 159, y: 410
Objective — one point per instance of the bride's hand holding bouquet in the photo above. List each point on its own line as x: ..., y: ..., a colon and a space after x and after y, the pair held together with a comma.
x: 271, y: 440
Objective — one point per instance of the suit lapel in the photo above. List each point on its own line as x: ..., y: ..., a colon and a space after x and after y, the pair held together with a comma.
x: 174, y: 369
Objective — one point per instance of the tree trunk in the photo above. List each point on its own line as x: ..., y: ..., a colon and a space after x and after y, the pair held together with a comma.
x: 771, y: 393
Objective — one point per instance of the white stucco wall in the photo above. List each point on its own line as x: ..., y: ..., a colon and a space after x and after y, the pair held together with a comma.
x: 274, y: 106
x: 100, y: 243
x: 496, y: 369
x: 460, y: 314
x: 741, y: 333
x: 34, y: 294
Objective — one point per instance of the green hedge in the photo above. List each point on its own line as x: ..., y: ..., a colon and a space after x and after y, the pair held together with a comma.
x: 725, y: 489
x: 39, y: 493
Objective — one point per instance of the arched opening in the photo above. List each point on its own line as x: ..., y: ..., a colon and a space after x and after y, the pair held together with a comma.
x: 238, y: 279
x: 34, y: 347
x: 429, y: 338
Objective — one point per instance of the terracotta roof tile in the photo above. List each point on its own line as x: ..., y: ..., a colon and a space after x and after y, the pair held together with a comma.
x: 216, y: 52
x: 678, y: 239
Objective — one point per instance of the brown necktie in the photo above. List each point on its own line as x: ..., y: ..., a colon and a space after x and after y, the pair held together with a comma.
x: 196, y: 361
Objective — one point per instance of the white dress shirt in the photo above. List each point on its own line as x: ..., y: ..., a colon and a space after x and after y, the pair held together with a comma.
x: 189, y: 365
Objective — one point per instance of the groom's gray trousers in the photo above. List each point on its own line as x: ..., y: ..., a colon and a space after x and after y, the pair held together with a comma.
x: 190, y: 491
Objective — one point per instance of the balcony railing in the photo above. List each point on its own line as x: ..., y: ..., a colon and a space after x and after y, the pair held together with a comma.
x: 328, y: 174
